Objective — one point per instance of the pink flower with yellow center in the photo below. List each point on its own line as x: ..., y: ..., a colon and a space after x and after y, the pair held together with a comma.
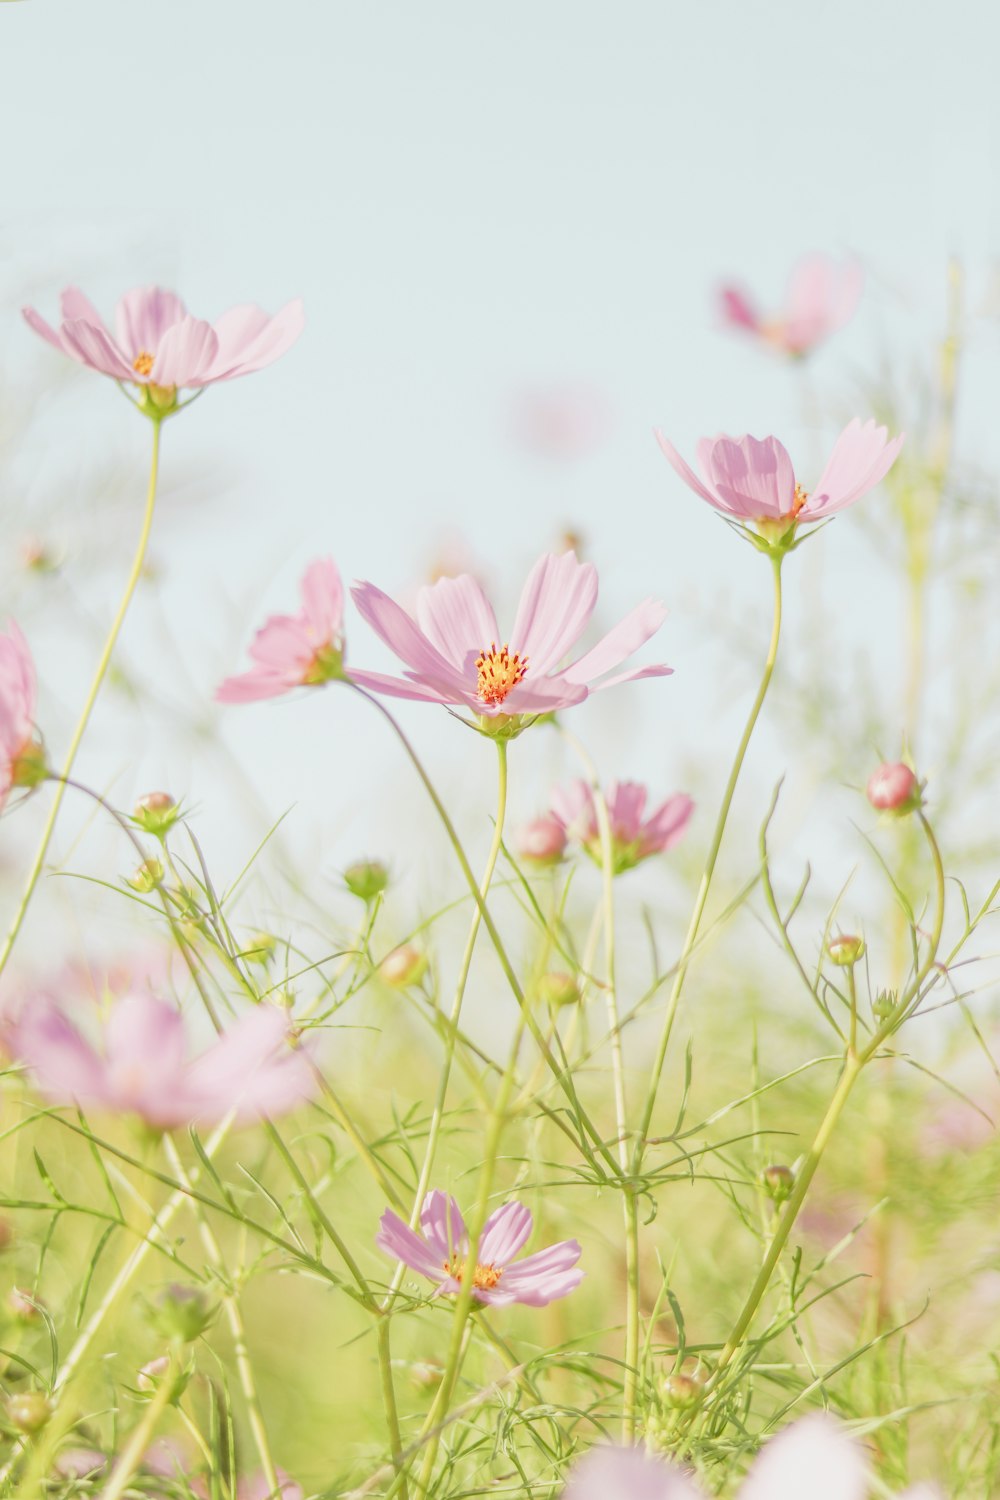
x: 752, y: 480
x: 19, y: 757
x: 300, y: 650
x: 441, y: 1251
x: 634, y: 836
x: 143, y: 1068
x: 822, y: 296
x: 451, y: 652
x: 157, y: 343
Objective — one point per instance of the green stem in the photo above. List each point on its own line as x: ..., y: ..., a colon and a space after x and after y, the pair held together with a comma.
x: 91, y: 699
x: 706, y: 879
x: 134, y: 1450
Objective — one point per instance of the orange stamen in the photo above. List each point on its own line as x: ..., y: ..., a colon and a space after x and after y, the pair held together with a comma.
x: 499, y: 673
x: 799, y: 499
x: 143, y: 362
x: 485, y: 1277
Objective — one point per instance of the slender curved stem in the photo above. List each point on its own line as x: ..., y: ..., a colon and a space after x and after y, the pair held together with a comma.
x: 706, y: 879
x: 89, y: 701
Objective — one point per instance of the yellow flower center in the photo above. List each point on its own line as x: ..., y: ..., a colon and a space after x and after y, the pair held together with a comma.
x: 499, y: 672
x: 484, y: 1278
x: 143, y: 362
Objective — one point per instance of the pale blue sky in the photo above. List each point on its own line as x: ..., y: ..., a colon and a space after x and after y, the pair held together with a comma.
x: 471, y: 196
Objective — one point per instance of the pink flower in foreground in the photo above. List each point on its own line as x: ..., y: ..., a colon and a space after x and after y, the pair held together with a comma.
x: 17, y: 709
x: 158, y: 343
x: 893, y: 788
x: 633, y: 837
x: 752, y: 479
x: 822, y: 296
x: 143, y: 1067
x: 301, y: 650
x: 441, y: 1253
x: 814, y: 1455
x: 451, y: 652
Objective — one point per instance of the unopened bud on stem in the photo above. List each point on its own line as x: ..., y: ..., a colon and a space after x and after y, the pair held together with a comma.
x: 894, y: 788
x: 845, y: 950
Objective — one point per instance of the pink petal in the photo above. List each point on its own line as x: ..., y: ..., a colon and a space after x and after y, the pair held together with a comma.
x: 737, y: 309
x: 753, y: 477
x: 620, y: 642
x: 273, y: 340
x: 323, y: 600
x: 556, y: 603
x: 626, y: 801
x: 861, y: 458
x: 544, y: 1276
x: 442, y: 1223
x: 686, y: 473
x: 815, y: 1446
x: 457, y: 618
x: 142, y: 319
x: 607, y: 1473
x: 545, y: 695
x: 144, y: 1030
x: 402, y: 687
x: 636, y: 674
x: 505, y: 1233
x: 65, y: 1066
x: 93, y: 347
x: 402, y: 636
x: 667, y: 825
x: 185, y: 354
x: 574, y: 806
x: 36, y: 322
x: 75, y: 304
x: 253, y: 686
x: 398, y: 1240
x: 246, y: 1069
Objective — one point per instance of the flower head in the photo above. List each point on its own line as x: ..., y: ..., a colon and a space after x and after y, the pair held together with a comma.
x: 822, y: 296
x: 633, y: 837
x: 441, y: 1252
x: 143, y: 1067
x: 451, y: 652
x: 301, y: 650
x: 815, y: 1447
x: 157, y: 344
x: 752, y: 480
x: 893, y: 788
x: 542, y: 841
x: 18, y: 753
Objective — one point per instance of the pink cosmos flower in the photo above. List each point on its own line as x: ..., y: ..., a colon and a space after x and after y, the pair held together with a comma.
x: 143, y: 1067
x: 752, y: 479
x: 157, y: 342
x: 450, y: 646
x: 542, y: 841
x: 441, y: 1253
x: 814, y: 1452
x: 633, y: 838
x: 301, y: 650
x: 17, y: 705
x: 822, y: 296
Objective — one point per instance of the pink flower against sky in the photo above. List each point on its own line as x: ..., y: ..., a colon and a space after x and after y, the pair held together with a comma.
x: 562, y: 421
x: 143, y: 1067
x: 814, y: 1456
x: 299, y: 650
x: 17, y: 705
x: 440, y: 1253
x: 450, y: 649
x: 822, y: 295
x: 752, y: 479
x: 157, y: 342
x: 633, y: 836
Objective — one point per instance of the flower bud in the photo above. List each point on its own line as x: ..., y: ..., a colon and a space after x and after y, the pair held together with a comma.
x: 259, y: 948
x: 542, y: 842
x: 156, y: 813
x: 24, y: 1305
x: 152, y: 1372
x: 884, y: 1004
x: 778, y: 1182
x: 894, y: 788
x: 845, y: 950
x: 403, y: 966
x: 28, y: 1411
x: 558, y: 989
x: 366, y: 879
x: 426, y: 1374
x: 36, y: 557
x: 682, y: 1391
x: 147, y: 877
x: 181, y: 1313
x: 29, y: 769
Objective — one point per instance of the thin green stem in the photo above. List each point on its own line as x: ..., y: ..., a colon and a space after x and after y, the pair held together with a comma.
x: 134, y: 1450
x: 706, y: 879
x: 90, y: 700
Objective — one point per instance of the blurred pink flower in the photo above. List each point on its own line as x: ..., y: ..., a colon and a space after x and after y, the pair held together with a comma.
x: 17, y: 705
x: 258, y: 1488
x: 814, y: 1453
x: 752, y: 479
x: 562, y: 421
x: 143, y: 1067
x: 440, y: 1255
x: 301, y: 650
x: 822, y: 296
x: 450, y: 647
x: 157, y: 342
x: 633, y: 838
x: 542, y: 841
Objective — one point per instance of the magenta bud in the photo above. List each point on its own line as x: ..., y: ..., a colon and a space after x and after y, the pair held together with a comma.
x: 894, y: 788
x: 542, y: 842
x: 845, y: 949
x: 403, y: 966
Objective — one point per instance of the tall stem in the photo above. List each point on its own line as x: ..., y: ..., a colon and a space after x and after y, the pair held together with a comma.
x: 90, y: 700
x: 706, y: 879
